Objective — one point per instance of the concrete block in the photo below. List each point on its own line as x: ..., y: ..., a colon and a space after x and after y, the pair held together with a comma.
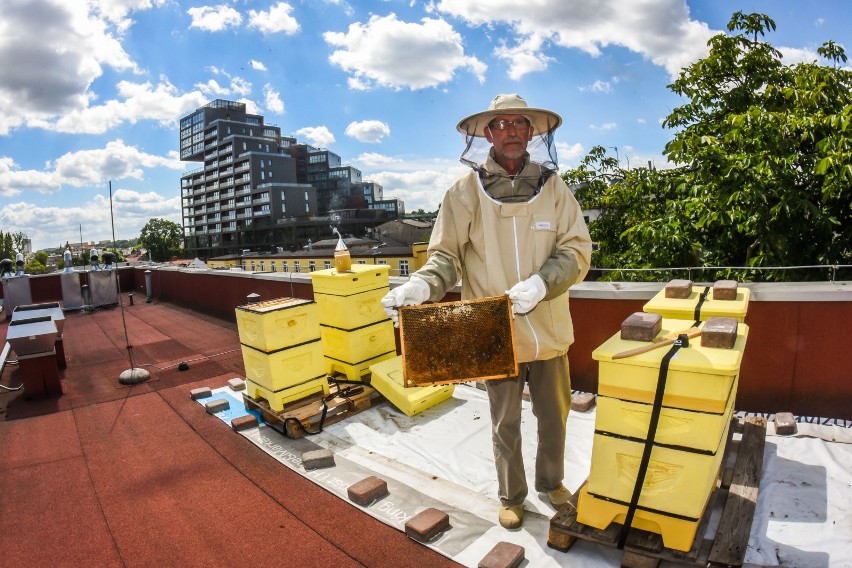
x: 217, y: 405
x: 679, y: 289
x: 503, y: 555
x: 641, y: 326
x: 317, y: 459
x: 202, y: 392
x: 367, y: 490
x: 785, y: 423
x: 427, y: 524
x: 582, y: 401
x: 244, y: 422
x: 719, y: 333
x: 725, y: 290
x: 237, y: 384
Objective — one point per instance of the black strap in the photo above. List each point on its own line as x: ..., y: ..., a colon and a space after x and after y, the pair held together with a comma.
x: 681, y: 341
x: 697, y: 314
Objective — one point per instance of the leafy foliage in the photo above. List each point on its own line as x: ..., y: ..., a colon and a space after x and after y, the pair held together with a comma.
x: 162, y: 237
x: 764, y: 168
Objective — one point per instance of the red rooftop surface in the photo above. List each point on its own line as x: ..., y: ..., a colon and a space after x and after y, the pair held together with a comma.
x: 115, y: 475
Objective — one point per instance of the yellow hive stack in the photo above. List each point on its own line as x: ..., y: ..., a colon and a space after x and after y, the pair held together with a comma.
x: 356, y: 333
x: 387, y: 379
x: 689, y: 443
x: 282, y: 351
x: 684, y: 308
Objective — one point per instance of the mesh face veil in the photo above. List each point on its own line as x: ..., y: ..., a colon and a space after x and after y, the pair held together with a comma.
x: 541, y: 148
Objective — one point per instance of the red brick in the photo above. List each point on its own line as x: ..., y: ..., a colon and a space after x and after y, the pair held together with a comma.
x: 785, y: 423
x: 641, y: 326
x: 202, y: 392
x: 503, y: 555
x: 367, y: 490
x: 244, y: 422
x: 217, y: 405
x: 427, y: 524
x: 582, y: 401
x: 679, y: 289
x: 725, y: 290
x: 317, y: 459
x: 719, y: 333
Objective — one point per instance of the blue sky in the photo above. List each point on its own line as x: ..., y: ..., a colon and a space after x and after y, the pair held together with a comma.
x: 92, y: 91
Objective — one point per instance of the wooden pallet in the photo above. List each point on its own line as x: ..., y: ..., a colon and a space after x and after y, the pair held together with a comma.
x: 305, y: 416
x: 736, y: 497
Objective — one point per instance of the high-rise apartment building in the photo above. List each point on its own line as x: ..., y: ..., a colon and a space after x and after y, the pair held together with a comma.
x: 258, y: 189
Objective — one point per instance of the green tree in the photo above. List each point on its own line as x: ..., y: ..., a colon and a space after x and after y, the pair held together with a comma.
x: 162, y: 237
x: 764, y: 167
x: 36, y: 267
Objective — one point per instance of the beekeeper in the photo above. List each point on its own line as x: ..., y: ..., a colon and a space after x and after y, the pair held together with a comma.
x: 512, y: 226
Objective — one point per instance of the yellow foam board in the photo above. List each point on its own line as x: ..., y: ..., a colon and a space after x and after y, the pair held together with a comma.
x: 387, y: 379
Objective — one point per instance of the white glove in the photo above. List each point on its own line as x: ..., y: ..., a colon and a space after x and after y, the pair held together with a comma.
x: 527, y: 294
x: 414, y: 292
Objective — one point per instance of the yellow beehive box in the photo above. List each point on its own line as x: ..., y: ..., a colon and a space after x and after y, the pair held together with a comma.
x: 676, y: 427
x: 355, y: 310
x: 279, y: 323
x: 678, y: 482
x: 677, y: 534
x: 359, y: 344
x: 361, y: 278
x: 355, y: 371
x: 285, y: 367
x: 684, y: 309
x: 387, y: 379
x: 277, y: 399
x: 699, y: 378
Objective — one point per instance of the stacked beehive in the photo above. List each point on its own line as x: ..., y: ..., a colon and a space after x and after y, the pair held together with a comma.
x: 282, y: 351
x: 689, y: 442
x: 355, y: 330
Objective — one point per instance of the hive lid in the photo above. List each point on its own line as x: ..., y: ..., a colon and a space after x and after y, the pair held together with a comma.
x: 693, y: 358
x: 454, y: 342
x: 273, y: 305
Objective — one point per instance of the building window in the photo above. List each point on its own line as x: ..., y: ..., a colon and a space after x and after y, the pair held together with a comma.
x: 244, y: 265
x: 312, y: 266
x: 362, y: 262
x: 284, y: 267
x: 403, y: 268
x: 326, y: 264
x: 382, y: 262
x: 262, y: 266
x: 273, y: 265
x: 297, y: 266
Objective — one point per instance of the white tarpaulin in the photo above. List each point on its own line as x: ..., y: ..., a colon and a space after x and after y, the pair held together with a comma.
x: 442, y: 458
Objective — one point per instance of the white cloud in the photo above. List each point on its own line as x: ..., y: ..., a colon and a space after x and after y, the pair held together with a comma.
x: 661, y: 31
x: 214, y: 18
x: 598, y: 87
x: 114, y: 161
x: 317, y: 135
x: 569, y: 152
x: 257, y: 65
x: 387, y: 52
x: 419, y: 188
x: 277, y: 19
x: 51, y: 51
x: 604, y: 126
x: 370, y: 131
x: 375, y: 160
x: 792, y: 55
x: 138, y: 101
x: 53, y: 226
x: 273, y: 100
